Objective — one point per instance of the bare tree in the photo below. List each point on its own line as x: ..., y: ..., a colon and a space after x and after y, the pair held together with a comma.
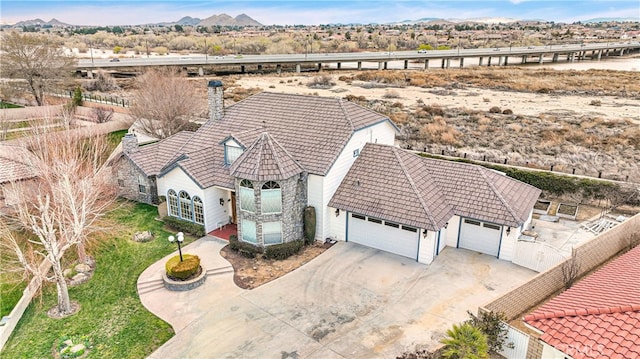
x: 58, y: 209
x: 164, y: 103
x: 36, y: 59
x: 570, y: 271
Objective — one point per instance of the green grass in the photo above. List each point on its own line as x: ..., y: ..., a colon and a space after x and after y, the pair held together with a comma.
x: 111, y: 315
x: 10, y: 293
x: 9, y: 105
x: 115, y: 137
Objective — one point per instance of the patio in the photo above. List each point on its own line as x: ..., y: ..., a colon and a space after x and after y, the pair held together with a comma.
x: 224, y: 232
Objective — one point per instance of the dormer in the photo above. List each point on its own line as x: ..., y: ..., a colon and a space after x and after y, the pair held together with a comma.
x: 232, y: 149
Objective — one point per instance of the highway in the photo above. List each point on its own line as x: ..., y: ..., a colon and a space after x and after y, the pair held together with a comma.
x: 281, y: 59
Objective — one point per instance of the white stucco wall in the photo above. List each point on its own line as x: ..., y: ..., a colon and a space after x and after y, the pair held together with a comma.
x: 314, y: 198
x: 451, y: 234
x: 426, y: 250
x: 214, y: 213
x: 337, y: 225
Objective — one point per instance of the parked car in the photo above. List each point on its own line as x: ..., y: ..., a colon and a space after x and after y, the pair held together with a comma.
x: 422, y: 51
x: 115, y: 59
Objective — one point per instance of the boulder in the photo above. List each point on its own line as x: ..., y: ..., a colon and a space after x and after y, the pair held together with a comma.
x: 77, y: 349
x: 82, y: 268
x: 79, y: 278
x: 143, y: 236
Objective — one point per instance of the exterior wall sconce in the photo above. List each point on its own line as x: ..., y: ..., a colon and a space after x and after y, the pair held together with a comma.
x: 222, y: 201
x: 446, y: 225
x: 337, y: 212
x: 424, y: 232
x: 508, y: 230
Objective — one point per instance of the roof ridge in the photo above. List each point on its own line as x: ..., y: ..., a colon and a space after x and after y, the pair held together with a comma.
x: 497, y: 193
x: 413, y: 186
x: 346, y: 114
x: 582, y: 312
x: 274, y: 153
x: 286, y: 152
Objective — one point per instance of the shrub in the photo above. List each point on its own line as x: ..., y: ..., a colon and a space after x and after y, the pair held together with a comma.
x: 77, y: 97
x: 102, y: 114
x: 309, y: 222
x: 491, y: 325
x: 507, y: 112
x: 246, y: 249
x: 391, y: 94
x: 180, y: 225
x: 465, y: 342
x: 324, y: 82
x: 495, y: 109
x: 283, y: 251
x: 182, y: 270
x: 595, y: 103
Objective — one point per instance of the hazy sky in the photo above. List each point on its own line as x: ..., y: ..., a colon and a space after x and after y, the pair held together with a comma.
x: 118, y: 12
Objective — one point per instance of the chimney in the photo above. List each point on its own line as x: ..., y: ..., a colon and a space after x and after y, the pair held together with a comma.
x: 216, y: 100
x: 129, y: 143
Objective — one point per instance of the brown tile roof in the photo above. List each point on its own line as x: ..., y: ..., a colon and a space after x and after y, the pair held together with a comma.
x: 393, y: 184
x: 599, y: 317
x: 13, y: 164
x: 265, y: 160
x: 313, y: 130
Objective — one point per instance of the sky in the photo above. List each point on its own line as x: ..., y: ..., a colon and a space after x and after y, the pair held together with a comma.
x: 306, y: 12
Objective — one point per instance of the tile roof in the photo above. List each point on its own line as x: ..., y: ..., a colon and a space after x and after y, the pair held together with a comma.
x: 313, y: 130
x: 13, y: 166
x: 265, y: 160
x: 397, y: 185
x: 599, y: 317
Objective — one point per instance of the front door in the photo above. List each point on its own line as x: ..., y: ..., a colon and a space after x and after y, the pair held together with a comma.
x: 233, y: 208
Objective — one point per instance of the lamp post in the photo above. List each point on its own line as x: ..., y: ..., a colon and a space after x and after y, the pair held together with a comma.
x: 179, y: 239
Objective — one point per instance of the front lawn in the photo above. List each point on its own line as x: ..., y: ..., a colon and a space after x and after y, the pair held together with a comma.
x: 111, y: 315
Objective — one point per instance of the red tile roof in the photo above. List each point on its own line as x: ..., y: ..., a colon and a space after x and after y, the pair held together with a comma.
x: 599, y: 317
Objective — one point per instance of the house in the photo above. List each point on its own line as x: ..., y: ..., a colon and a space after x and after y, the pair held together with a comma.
x: 261, y: 161
x: 14, y: 167
x: 599, y: 317
x: 426, y: 204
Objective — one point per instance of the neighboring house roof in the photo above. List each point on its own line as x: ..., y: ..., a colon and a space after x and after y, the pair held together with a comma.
x: 312, y: 130
x: 599, y: 317
x: 13, y: 166
x: 393, y: 184
x: 265, y: 160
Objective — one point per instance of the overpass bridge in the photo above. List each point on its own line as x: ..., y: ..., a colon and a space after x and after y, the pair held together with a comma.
x: 382, y: 60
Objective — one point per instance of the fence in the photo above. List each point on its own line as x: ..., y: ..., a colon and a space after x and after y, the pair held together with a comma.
x: 107, y: 100
x: 537, y: 256
x: 21, y: 306
x: 520, y: 342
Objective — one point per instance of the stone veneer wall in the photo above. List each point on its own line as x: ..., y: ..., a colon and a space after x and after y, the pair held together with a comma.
x: 294, y: 200
x: 131, y: 177
x: 215, y: 99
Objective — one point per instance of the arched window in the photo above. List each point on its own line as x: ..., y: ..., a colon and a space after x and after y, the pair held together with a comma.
x: 173, y: 203
x: 198, y: 210
x: 271, y: 197
x: 186, y: 212
x: 247, y: 196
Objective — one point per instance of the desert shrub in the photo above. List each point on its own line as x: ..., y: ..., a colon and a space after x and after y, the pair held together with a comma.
x: 102, y: 114
x: 595, y: 103
x: 184, y: 226
x: 495, y: 109
x: 419, y: 354
x: 246, y: 249
x: 182, y: 270
x: 283, y: 251
x: 491, y: 324
x: 507, y: 112
x: 322, y: 82
x: 102, y: 82
x: 434, y: 110
x: 465, y: 342
x: 391, y: 94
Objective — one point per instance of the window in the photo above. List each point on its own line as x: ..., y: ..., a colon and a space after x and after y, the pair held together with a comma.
x: 173, y: 203
x: 357, y: 216
x: 121, y: 182
x: 391, y: 224
x: 356, y: 152
x: 247, y: 196
x: 471, y: 221
x: 142, y: 188
x: 410, y: 229
x: 491, y: 226
x: 142, y: 181
x: 198, y: 210
x: 232, y: 153
x: 249, y: 231
x: 271, y: 198
x: 272, y: 233
x: 185, y: 206
x: 375, y: 220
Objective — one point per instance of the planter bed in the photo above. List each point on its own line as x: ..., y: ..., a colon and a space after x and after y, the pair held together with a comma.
x: 567, y: 210
x: 542, y: 206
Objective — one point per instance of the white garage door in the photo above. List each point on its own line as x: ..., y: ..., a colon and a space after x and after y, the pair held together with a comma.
x: 480, y: 236
x: 387, y: 236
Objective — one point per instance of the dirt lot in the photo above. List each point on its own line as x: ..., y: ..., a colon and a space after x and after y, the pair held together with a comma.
x: 254, y: 272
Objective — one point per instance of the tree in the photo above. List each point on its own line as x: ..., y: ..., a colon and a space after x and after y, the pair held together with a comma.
x: 465, y: 342
x: 35, y: 59
x: 164, y: 103
x: 491, y: 324
x: 57, y: 209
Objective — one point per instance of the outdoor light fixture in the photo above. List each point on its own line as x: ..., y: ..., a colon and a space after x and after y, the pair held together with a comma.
x: 424, y: 232
x: 446, y: 225
x: 508, y: 230
x: 180, y: 239
x: 337, y: 212
x: 222, y: 201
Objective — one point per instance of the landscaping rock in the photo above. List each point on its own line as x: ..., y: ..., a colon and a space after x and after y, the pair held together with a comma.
x: 82, y: 268
x: 67, y: 272
x: 79, y: 278
x: 142, y: 236
x: 67, y: 343
x: 78, y: 348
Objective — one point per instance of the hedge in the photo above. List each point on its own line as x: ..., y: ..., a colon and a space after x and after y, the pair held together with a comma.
x: 246, y: 249
x: 181, y: 225
x: 284, y: 250
x: 182, y: 270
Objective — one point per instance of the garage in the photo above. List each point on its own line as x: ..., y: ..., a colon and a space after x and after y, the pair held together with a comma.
x: 383, y: 235
x: 480, y: 236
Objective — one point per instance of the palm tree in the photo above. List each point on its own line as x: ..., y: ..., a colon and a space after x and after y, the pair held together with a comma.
x: 465, y: 342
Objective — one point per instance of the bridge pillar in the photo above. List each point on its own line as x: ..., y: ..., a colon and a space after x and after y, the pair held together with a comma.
x: 385, y: 65
x: 573, y: 57
x: 555, y: 57
x: 278, y: 69
x: 242, y: 68
x: 448, y: 63
x: 359, y: 65
x: 541, y: 60
x: 480, y: 62
x: 621, y: 52
x: 406, y: 64
x: 488, y: 61
x: 506, y: 60
x: 319, y: 66
x: 339, y: 65
x: 426, y: 64
x: 90, y: 74
x: 259, y: 68
x: 200, y: 71
x: 599, y: 54
x: 443, y: 63
x: 379, y: 65
x: 524, y: 59
x: 461, y: 62
x: 298, y: 68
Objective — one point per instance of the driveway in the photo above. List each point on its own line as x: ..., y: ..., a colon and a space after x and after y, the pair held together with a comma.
x: 350, y: 302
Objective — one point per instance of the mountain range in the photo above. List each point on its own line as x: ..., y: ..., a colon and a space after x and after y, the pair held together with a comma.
x: 214, y: 20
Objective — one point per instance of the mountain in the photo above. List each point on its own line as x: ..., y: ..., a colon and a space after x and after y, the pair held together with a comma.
x: 188, y: 20
x: 39, y: 22
x: 226, y: 20
x: 612, y: 19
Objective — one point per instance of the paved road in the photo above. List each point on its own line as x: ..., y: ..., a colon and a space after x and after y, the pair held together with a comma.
x: 350, y: 302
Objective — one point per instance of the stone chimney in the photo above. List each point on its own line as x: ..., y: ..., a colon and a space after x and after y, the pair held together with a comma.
x: 129, y: 143
x: 216, y: 100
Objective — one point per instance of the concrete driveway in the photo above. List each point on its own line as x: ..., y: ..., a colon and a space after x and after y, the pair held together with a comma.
x: 350, y: 302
